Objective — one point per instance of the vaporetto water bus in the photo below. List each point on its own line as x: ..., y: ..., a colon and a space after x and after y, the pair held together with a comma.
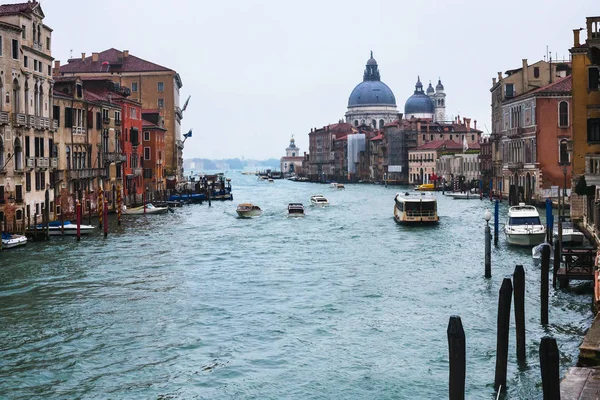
x: 415, y: 209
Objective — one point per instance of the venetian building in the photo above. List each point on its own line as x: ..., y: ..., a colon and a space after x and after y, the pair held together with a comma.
x: 291, y: 163
x: 371, y: 102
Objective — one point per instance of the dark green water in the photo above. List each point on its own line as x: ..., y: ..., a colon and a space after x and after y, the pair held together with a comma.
x: 199, y: 304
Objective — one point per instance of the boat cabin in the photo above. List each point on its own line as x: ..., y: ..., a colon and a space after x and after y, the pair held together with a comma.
x: 419, y: 208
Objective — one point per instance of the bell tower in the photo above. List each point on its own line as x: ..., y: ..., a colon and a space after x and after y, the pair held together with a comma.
x: 439, y: 103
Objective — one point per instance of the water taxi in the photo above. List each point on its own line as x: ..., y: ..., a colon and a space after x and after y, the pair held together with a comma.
x: 415, y: 209
x: 425, y: 187
x: 295, y: 210
x: 319, y: 200
x: 570, y: 234
x: 248, y: 210
x: 12, y: 240
x: 523, y: 226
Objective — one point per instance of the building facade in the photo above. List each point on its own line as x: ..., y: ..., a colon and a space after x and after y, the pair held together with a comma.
x: 321, y: 163
x: 153, y: 142
x: 26, y: 122
x: 155, y: 86
x: 586, y: 126
x: 291, y: 163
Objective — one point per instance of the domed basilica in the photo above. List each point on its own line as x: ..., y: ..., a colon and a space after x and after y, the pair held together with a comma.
x: 373, y: 103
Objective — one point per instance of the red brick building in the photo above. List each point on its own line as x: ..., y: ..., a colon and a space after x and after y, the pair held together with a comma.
x: 153, y: 143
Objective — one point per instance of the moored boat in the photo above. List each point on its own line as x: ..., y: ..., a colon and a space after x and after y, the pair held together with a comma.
x: 150, y: 209
x: 415, y: 209
x: 570, y: 234
x: 10, y: 241
x: 463, y: 195
x: 536, y: 253
x: 248, y: 210
x: 55, y: 228
x: 523, y: 226
x: 295, y: 210
x: 425, y: 187
x: 319, y: 200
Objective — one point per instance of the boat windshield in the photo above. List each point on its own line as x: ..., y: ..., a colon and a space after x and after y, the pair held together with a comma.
x: 524, y: 221
x: 424, y: 206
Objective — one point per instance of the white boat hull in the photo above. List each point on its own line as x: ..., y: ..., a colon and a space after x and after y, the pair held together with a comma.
x: 70, y: 229
x: 155, y: 210
x: 463, y: 196
x: 249, y: 214
x: 14, y: 241
x: 525, y: 239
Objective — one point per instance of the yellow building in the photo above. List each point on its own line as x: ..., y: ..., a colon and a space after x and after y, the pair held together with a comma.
x: 586, y: 124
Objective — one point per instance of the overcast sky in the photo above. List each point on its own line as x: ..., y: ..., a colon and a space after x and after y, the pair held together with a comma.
x: 260, y: 71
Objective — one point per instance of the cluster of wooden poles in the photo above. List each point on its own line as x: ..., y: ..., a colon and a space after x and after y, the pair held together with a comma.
x: 102, y: 212
x: 549, y: 355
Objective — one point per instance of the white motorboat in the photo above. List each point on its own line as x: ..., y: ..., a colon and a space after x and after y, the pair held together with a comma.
x: 10, y: 241
x: 295, y: 210
x: 340, y: 186
x: 248, y: 210
x: 319, y: 200
x: 570, y: 234
x: 536, y: 253
x: 150, y: 209
x: 333, y: 185
x: 55, y: 228
x: 523, y: 226
x: 463, y: 195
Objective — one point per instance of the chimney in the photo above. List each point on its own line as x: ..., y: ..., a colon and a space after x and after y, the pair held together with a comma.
x: 475, y: 124
x: 399, y: 116
x: 94, y: 57
x: 82, y: 56
x: 125, y: 53
x: 499, y: 76
x: 468, y: 124
x: 576, y: 37
x: 525, y: 77
x: 493, y: 81
x: 56, y: 70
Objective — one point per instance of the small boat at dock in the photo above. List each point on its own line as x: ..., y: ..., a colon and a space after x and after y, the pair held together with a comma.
x: 463, y: 195
x: 523, y: 226
x: 150, y: 209
x: 570, y: 234
x: 12, y: 240
x: 55, y: 228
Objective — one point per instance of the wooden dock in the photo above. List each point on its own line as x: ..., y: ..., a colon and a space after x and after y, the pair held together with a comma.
x: 578, y: 264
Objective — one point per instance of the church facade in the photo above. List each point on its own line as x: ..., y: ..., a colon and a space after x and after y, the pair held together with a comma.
x: 430, y: 104
x: 291, y: 163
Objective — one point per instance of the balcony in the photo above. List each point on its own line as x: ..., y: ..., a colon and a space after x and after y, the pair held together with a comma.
x: 4, y: 118
x: 19, y: 119
x: 114, y: 157
x: 85, y: 173
x: 105, y: 120
x: 31, y: 121
x: 118, y: 122
x: 179, y: 144
x: 514, y: 166
x: 592, y: 169
x: 54, y: 163
x: 42, y: 162
x: 30, y: 162
x: 138, y: 171
x: 55, y: 124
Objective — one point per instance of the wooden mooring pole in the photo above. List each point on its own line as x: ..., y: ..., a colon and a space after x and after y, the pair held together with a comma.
x: 488, y: 250
x: 549, y: 366
x: 504, y: 300
x: 119, y: 205
x: 557, y: 256
x: 457, y: 358
x: 105, y: 218
x: 544, y: 284
x: 519, y: 296
x: 78, y: 218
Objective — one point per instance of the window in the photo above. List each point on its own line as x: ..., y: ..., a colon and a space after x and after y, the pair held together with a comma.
x: 472, y: 138
x: 563, y: 114
x: 1, y: 41
x: 509, y: 90
x: 564, y: 153
x: 47, y: 43
x: 117, y: 117
x: 24, y: 33
x: 593, y: 78
x: 25, y: 61
x: 105, y: 117
x: 49, y: 70
x: 35, y: 67
x: 27, y: 150
x: 15, y: 49
x: 146, y: 136
x: 79, y: 90
x: 161, y: 86
x: 133, y: 113
x: 161, y: 103
x: 147, y: 173
x: 536, y: 72
x: 146, y: 153
x: 593, y: 130
x: 134, y: 86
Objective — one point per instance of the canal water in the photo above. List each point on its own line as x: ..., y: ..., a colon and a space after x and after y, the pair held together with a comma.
x: 343, y: 303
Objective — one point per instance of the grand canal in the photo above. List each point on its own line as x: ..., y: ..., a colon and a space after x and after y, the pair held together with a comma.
x: 343, y: 303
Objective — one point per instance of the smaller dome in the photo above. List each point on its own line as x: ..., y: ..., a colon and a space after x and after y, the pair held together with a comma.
x: 439, y: 85
x: 418, y: 104
x: 418, y: 85
x: 430, y: 88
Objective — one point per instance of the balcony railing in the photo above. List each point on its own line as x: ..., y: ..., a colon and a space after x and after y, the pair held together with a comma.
x: 19, y: 119
x: 55, y: 124
x: 4, y: 119
x: 513, y: 166
x: 30, y: 162
x: 54, y: 163
x: 31, y: 121
x: 85, y: 173
x: 179, y: 144
x: 138, y: 171
x: 114, y: 157
x: 42, y: 162
x: 117, y: 122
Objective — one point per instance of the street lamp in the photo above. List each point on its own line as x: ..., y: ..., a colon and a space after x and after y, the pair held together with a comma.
x: 487, y: 216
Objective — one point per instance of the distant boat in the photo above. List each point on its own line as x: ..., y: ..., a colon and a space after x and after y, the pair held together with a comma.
x: 319, y: 200
x: 10, y: 241
x: 150, y: 209
x: 295, y: 210
x: 248, y: 210
x: 425, y: 187
x: 463, y: 195
x: 55, y: 228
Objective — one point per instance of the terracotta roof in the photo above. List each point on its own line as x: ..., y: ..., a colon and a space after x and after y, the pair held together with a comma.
x: 111, y: 60
x: 6, y: 9
x: 438, y: 144
x: 563, y: 85
x: 152, y: 125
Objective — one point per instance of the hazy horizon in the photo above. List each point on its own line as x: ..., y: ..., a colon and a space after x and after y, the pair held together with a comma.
x: 261, y: 71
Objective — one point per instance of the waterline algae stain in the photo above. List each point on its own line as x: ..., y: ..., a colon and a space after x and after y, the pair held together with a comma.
x: 343, y: 303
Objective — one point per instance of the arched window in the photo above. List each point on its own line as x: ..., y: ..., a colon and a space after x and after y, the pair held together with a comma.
x: 563, y: 114
x: 381, y: 123
x: 18, y: 155
x: 355, y: 122
x: 26, y: 97
x: 374, y: 123
x: 68, y: 156
x: 564, y: 153
x: 15, y: 97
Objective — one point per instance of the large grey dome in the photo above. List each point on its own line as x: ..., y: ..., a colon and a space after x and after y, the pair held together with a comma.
x: 371, y: 93
x: 419, y: 102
